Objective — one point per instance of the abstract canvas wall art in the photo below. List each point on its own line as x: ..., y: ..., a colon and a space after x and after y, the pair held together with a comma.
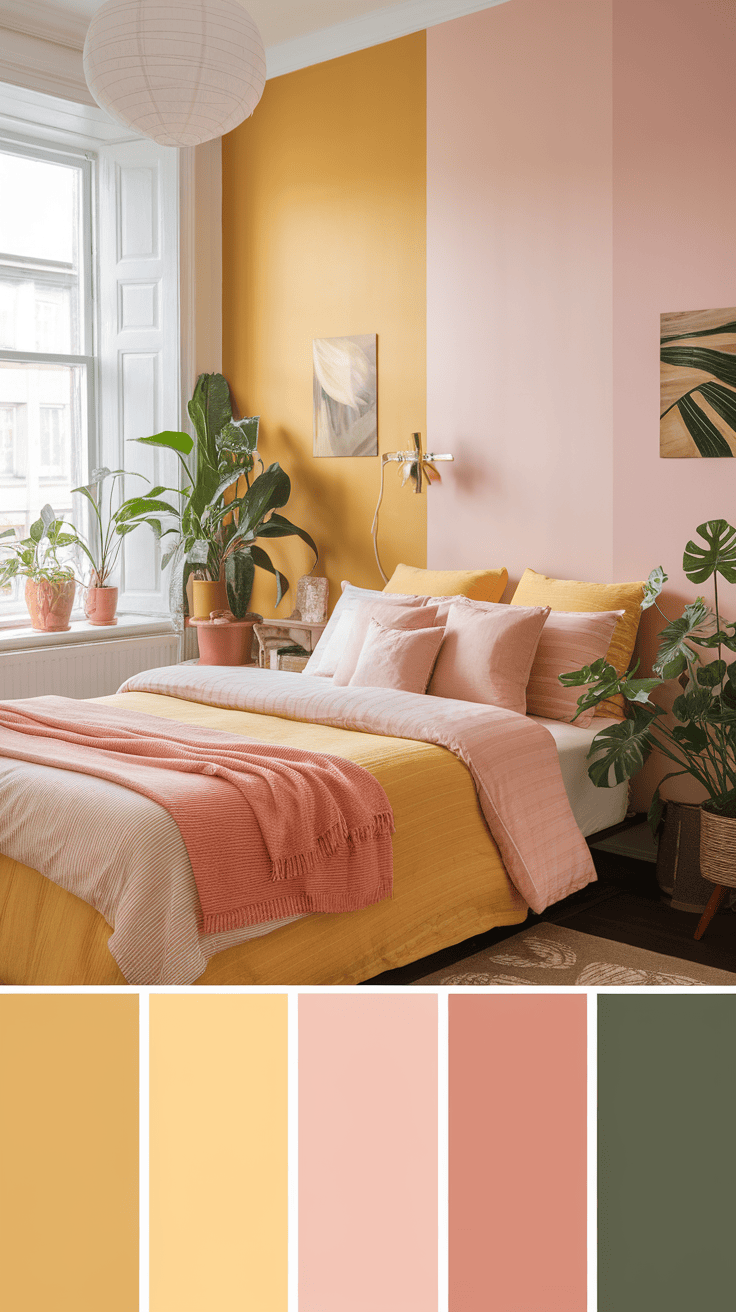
x: 345, y: 396
x: 698, y: 384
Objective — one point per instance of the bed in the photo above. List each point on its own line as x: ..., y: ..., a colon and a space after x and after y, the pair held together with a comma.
x: 450, y: 881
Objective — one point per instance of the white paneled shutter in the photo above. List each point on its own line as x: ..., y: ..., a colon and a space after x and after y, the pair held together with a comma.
x: 139, y: 341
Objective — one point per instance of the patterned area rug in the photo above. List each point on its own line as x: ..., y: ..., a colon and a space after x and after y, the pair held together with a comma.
x: 551, y: 954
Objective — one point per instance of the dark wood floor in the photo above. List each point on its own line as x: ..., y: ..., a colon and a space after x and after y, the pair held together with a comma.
x: 625, y: 906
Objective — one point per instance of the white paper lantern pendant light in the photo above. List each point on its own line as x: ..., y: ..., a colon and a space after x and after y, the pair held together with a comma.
x: 181, y: 73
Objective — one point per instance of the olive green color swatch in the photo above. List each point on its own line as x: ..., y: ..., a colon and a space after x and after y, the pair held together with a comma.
x: 666, y: 1152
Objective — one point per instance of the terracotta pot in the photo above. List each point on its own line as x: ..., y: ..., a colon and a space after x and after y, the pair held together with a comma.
x: 208, y: 595
x: 100, y: 605
x: 50, y: 604
x: 225, y: 641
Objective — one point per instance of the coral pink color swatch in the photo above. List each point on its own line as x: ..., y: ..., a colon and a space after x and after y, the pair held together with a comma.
x: 518, y: 1153
x: 367, y: 1153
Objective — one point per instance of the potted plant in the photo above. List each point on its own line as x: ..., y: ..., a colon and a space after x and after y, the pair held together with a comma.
x: 219, y: 518
x: 102, y: 545
x: 50, y: 585
x: 702, y: 740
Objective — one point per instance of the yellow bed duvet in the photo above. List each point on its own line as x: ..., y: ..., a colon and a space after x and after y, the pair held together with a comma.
x: 449, y: 879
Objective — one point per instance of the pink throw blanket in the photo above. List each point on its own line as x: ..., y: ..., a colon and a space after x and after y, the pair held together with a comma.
x: 313, y: 830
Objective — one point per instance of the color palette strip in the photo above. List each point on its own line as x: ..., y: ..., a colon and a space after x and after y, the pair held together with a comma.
x: 69, y: 1152
x: 368, y: 1153
x: 218, y: 1152
x: 518, y: 1153
x: 666, y: 1152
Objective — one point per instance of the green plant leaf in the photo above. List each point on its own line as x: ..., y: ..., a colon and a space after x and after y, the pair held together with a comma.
x: 239, y: 574
x: 638, y: 690
x: 239, y: 436
x: 602, y: 680
x: 278, y: 526
x: 142, y: 508
x: 264, y: 562
x: 37, y: 530
x: 210, y: 410
x: 620, y: 750
x: 718, y: 363
x: 675, y: 653
x: 719, y: 556
x: 653, y: 587
x: 692, y: 736
x: 707, y: 438
x: 709, y: 676
x: 170, y: 441
x: 8, y: 533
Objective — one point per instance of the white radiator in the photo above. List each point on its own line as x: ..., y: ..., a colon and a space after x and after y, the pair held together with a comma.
x: 83, y: 669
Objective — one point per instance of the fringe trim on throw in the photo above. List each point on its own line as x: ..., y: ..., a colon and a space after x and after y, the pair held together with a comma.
x: 297, y: 904
x: 330, y: 842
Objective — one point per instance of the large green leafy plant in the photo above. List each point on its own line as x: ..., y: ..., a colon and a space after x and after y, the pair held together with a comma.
x: 702, y: 741
x: 216, y: 523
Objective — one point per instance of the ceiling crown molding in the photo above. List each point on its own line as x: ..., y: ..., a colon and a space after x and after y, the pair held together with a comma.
x: 34, y: 18
x: 368, y: 30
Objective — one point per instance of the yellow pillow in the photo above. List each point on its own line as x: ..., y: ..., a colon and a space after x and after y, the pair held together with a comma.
x: 478, y: 584
x: 569, y: 594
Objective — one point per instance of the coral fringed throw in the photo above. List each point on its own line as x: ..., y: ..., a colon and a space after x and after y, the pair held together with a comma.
x: 270, y: 831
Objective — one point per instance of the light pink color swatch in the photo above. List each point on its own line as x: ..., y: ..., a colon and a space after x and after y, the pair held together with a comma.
x: 367, y: 1153
x: 518, y: 1118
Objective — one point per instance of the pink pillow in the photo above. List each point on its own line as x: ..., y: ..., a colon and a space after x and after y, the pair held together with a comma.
x: 393, y: 615
x: 397, y: 658
x: 570, y: 639
x: 487, y: 654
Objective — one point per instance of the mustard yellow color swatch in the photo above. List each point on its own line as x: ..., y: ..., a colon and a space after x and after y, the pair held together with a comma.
x: 324, y: 217
x: 69, y: 1153
x: 218, y: 1153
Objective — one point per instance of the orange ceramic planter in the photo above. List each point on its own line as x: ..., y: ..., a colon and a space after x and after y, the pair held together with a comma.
x: 100, y: 605
x: 225, y: 642
x: 50, y: 604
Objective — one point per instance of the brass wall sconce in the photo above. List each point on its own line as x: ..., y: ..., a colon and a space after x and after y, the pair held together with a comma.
x: 417, y: 465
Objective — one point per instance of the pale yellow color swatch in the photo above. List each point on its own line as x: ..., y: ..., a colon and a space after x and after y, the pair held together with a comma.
x: 218, y: 1153
x: 69, y: 1153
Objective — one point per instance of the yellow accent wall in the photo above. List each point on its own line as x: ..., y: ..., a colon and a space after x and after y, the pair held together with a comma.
x: 324, y: 235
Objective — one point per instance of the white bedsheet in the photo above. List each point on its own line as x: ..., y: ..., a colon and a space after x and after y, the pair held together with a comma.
x: 594, y: 808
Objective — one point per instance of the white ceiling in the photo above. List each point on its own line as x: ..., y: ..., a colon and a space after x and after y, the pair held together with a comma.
x: 277, y: 20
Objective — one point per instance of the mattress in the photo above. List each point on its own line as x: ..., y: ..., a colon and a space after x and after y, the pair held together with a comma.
x: 594, y: 808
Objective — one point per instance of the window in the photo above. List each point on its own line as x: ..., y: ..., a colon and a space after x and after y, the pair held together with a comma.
x: 46, y: 358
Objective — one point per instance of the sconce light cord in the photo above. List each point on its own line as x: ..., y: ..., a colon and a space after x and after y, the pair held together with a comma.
x: 415, y: 458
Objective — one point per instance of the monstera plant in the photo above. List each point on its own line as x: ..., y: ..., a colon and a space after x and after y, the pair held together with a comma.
x: 702, y: 740
x: 223, y: 506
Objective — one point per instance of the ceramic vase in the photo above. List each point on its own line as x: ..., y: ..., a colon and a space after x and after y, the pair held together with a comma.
x: 50, y: 604
x: 100, y: 605
x: 208, y: 595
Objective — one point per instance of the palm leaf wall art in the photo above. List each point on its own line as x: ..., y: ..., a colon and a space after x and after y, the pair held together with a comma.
x: 698, y: 384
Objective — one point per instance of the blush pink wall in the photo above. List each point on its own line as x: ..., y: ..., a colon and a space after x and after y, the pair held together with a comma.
x: 519, y: 295
x: 581, y: 181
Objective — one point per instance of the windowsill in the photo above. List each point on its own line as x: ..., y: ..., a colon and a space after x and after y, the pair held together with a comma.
x: 128, y: 626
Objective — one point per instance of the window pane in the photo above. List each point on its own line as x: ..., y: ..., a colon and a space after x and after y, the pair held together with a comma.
x: 41, y: 222
x: 40, y: 275
x: 42, y: 447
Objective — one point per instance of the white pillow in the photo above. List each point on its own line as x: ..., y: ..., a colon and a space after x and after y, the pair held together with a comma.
x: 324, y: 659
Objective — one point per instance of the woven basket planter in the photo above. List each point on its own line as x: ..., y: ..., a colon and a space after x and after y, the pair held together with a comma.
x: 718, y: 848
